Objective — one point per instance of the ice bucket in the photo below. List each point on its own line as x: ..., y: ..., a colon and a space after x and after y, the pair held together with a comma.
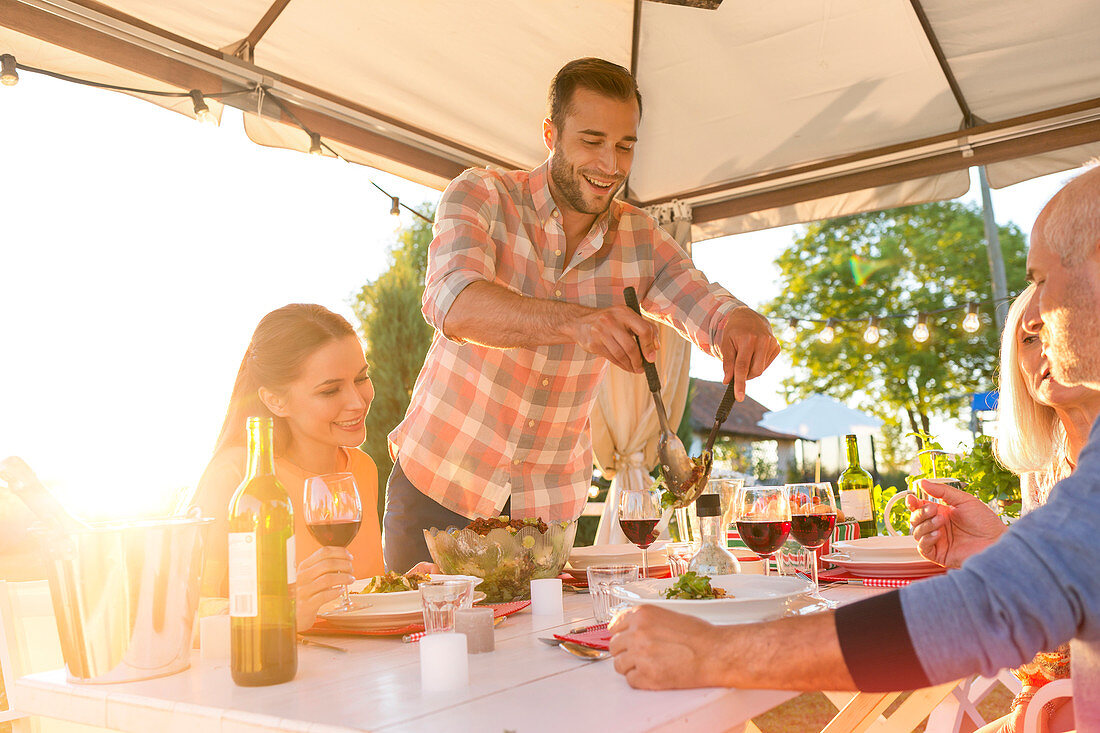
x: 125, y: 596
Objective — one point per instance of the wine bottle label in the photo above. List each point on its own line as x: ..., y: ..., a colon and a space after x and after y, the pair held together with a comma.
x: 243, y: 583
x: 856, y: 504
x: 291, y: 566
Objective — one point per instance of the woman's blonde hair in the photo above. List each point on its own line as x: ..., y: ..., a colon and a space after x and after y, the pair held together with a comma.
x: 1030, y: 437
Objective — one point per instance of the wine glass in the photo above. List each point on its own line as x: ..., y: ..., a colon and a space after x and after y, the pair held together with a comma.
x: 639, y: 513
x: 763, y: 517
x: 813, y: 517
x: 333, y: 515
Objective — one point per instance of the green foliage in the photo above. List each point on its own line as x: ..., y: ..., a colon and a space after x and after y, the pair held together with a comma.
x: 899, y: 515
x: 907, y: 260
x: 397, y: 338
x: 989, y: 480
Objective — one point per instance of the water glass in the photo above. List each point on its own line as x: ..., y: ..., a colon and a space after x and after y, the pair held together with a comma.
x: 601, y: 579
x: 439, y: 599
x: 679, y: 557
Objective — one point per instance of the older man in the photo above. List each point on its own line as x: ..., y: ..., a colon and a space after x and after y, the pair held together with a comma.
x: 1036, y: 588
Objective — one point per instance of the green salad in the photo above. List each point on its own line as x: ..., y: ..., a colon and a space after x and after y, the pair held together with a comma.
x: 693, y: 587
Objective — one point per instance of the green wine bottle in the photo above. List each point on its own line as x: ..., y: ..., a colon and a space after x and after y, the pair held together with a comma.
x: 854, y: 487
x: 263, y: 632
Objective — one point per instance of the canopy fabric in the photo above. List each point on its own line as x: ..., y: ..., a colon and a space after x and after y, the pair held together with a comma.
x: 820, y: 416
x: 624, y: 422
x: 757, y: 114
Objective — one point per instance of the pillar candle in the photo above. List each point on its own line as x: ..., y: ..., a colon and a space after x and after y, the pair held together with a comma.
x: 443, y: 662
x: 546, y: 597
x: 477, y: 625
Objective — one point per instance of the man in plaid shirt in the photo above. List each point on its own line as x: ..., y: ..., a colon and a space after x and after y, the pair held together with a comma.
x: 525, y: 291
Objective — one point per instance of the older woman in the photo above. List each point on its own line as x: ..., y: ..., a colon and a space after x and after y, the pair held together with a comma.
x: 1043, y: 425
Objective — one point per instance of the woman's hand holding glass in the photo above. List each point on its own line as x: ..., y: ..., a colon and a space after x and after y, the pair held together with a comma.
x: 322, y: 578
x: 949, y: 533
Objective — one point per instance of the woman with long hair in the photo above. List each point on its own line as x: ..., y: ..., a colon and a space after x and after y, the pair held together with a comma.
x: 1042, y: 427
x: 305, y: 368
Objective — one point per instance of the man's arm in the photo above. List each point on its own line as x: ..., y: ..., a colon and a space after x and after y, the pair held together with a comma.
x: 490, y: 315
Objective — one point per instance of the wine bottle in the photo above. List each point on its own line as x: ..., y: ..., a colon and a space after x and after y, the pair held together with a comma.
x: 263, y: 632
x: 854, y: 487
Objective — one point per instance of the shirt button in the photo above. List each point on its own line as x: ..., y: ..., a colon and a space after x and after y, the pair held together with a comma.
x: 555, y: 213
x: 545, y: 382
x: 557, y: 293
x: 515, y: 461
x: 557, y: 252
x: 530, y: 423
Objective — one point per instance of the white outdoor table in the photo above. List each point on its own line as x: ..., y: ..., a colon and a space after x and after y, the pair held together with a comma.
x: 524, y: 686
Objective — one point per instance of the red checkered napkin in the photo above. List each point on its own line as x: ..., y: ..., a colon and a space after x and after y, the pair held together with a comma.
x: 597, y: 637
x: 843, y: 576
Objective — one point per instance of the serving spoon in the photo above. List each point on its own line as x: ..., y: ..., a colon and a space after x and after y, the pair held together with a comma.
x: 586, y: 653
x: 678, y: 468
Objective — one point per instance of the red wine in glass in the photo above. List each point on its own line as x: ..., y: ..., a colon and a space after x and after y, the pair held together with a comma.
x: 764, y: 537
x: 642, y: 532
x: 811, y: 530
x: 334, y: 534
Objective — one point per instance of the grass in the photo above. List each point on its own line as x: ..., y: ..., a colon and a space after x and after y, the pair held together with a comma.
x: 812, y: 711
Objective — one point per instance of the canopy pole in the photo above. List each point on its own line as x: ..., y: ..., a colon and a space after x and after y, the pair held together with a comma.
x: 993, y: 250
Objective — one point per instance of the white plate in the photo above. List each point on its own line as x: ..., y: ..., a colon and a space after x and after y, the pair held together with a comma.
x: 879, y: 549
x: 582, y: 573
x: 405, y: 601
x: 751, y: 597
x: 583, y: 557
x: 886, y: 569
x: 371, y: 618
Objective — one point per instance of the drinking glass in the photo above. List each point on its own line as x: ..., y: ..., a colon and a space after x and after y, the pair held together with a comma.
x: 679, y: 557
x: 763, y: 517
x: 639, y: 513
x: 333, y: 514
x: 601, y: 579
x: 439, y: 599
x: 813, y: 517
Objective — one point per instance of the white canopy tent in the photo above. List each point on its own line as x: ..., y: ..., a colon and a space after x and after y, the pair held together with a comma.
x: 756, y: 114
x: 820, y: 416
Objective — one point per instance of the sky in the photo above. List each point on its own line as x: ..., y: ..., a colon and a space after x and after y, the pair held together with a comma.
x: 138, y: 250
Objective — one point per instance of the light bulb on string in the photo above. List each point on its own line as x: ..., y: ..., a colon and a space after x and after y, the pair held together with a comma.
x: 315, y: 144
x: 395, y: 207
x: 792, y: 329
x: 828, y: 333
x: 871, y: 333
x: 202, y: 112
x: 593, y: 491
x: 971, y: 322
x: 9, y: 75
x: 920, y: 331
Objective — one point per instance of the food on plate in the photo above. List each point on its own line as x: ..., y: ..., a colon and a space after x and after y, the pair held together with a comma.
x: 393, y: 582
x: 488, y: 524
x: 694, y: 587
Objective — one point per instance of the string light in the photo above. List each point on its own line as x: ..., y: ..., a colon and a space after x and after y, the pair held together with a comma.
x: 395, y: 208
x: 792, y: 328
x: 202, y: 112
x: 9, y: 76
x: 315, y: 144
x: 593, y: 492
x: 871, y: 333
x: 971, y: 322
x: 920, y: 331
x: 828, y: 333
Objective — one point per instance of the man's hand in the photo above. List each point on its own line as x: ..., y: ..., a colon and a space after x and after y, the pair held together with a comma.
x: 610, y: 332
x: 320, y: 580
x: 656, y: 649
x: 748, y: 346
x: 949, y: 534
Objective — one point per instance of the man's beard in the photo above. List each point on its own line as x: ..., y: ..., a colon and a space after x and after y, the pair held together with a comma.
x: 1074, y: 334
x: 568, y: 183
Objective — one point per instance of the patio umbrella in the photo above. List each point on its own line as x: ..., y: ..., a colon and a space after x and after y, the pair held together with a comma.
x: 755, y: 114
x: 820, y: 416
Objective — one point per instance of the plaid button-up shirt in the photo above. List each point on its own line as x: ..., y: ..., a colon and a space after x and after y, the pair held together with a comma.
x: 485, y: 424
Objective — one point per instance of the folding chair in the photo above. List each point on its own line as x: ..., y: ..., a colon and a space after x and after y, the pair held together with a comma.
x: 864, y: 711
x: 1046, y: 693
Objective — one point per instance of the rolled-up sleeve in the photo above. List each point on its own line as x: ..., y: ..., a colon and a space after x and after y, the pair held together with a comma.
x: 462, y: 250
x: 685, y: 299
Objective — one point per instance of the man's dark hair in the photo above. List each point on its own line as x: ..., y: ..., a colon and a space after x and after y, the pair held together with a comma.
x: 597, y: 75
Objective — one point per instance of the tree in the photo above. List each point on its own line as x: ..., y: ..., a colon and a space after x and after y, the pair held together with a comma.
x: 397, y: 338
x: 901, y: 261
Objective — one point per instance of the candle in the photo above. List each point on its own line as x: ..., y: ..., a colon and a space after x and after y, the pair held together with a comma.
x: 477, y: 625
x: 443, y: 662
x: 546, y: 597
x: 214, y: 638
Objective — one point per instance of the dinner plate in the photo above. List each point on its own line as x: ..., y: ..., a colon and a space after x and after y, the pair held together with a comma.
x: 582, y: 573
x: 405, y: 601
x: 373, y: 618
x: 880, y: 549
x: 583, y: 557
x: 886, y: 568
x: 750, y: 597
